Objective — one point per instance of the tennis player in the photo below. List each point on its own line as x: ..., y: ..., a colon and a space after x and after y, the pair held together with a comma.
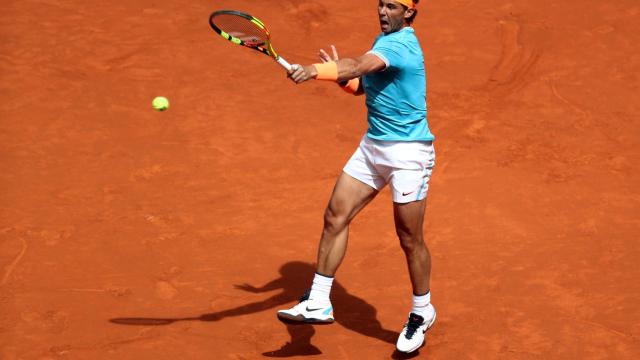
x: 397, y: 150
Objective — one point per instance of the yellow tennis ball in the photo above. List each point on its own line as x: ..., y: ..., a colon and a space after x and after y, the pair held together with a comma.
x: 160, y: 103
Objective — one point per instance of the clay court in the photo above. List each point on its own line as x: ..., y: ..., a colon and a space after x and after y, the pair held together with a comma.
x: 127, y: 233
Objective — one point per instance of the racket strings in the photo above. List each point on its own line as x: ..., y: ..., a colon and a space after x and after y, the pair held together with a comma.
x: 241, y: 28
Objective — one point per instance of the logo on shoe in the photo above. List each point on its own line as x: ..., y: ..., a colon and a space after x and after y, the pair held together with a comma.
x: 312, y: 310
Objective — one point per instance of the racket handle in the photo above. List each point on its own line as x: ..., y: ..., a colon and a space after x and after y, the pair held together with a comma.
x: 284, y: 63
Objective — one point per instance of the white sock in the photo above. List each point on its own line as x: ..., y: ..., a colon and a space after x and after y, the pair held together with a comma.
x: 421, y: 304
x: 320, y: 289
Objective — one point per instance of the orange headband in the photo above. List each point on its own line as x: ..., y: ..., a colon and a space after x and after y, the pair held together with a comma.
x: 408, y: 3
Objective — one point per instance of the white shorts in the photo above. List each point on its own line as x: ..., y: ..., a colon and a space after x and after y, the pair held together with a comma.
x: 405, y: 165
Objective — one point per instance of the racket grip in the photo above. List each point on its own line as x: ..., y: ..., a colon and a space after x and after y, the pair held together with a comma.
x: 284, y: 63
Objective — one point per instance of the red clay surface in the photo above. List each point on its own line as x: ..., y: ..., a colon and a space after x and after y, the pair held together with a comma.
x: 127, y: 233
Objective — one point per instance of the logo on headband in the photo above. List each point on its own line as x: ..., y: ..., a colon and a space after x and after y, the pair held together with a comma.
x: 408, y: 3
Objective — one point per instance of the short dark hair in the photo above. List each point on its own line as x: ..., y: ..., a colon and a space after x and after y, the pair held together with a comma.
x: 415, y: 13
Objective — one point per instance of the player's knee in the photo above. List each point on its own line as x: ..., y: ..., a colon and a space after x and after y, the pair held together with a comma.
x: 410, y: 242
x: 334, y: 221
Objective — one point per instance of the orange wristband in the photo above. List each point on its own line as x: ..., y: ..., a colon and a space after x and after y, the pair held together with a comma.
x: 352, y: 86
x: 327, y: 71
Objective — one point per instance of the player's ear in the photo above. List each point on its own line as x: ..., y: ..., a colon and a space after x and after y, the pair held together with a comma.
x: 409, y: 13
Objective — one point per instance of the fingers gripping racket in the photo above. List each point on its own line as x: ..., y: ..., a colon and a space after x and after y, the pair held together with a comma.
x: 245, y: 30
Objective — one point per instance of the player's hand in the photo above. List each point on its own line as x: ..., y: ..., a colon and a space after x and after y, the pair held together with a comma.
x: 325, y: 57
x: 300, y: 74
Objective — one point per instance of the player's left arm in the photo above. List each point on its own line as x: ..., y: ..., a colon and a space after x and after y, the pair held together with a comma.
x: 341, y: 70
x: 349, y: 68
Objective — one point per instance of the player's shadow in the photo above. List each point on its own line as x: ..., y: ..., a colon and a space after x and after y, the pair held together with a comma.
x: 352, y: 312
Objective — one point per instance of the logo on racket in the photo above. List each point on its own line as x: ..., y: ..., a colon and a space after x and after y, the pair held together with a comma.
x: 253, y: 41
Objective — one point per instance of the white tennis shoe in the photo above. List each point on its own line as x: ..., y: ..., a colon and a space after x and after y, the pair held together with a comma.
x: 412, y: 335
x: 308, y: 311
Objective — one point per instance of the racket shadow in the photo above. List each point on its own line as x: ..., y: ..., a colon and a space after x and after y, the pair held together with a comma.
x: 352, y: 312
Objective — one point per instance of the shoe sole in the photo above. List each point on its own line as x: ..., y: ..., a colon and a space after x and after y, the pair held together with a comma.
x: 290, y: 319
x: 423, y: 342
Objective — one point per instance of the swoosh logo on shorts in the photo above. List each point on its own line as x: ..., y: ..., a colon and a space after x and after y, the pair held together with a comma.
x: 405, y: 194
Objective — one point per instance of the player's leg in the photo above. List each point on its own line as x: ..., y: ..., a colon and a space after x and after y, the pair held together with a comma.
x: 354, y: 189
x: 409, y: 182
x: 409, y: 219
x: 349, y: 197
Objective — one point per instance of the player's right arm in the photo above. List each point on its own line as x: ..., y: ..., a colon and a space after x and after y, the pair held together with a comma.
x: 352, y: 86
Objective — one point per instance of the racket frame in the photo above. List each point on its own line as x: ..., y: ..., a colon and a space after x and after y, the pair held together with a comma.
x: 265, y: 48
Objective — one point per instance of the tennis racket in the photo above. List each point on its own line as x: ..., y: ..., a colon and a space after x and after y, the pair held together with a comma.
x: 245, y: 30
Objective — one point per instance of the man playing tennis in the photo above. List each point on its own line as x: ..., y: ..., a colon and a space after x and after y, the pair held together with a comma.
x: 396, y: 150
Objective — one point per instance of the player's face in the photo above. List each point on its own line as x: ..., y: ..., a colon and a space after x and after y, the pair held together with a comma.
x: 391, y: 15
